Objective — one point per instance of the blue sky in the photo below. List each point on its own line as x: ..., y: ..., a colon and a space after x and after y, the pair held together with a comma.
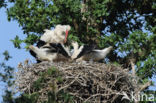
x: 8, y: 31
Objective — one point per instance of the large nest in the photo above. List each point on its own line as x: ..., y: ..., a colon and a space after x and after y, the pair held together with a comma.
x: 85, y: 82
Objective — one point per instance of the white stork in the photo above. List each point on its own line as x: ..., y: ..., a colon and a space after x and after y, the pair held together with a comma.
x: 87, y: 53
x: 58, y: 35
x: 52, y: 52
x: 45, y: 50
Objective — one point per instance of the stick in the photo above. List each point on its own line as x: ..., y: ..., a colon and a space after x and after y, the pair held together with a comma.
x: 145, y: 86
x: 133, y: 67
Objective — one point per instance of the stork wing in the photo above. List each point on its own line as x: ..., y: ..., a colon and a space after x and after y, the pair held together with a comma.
x: 40, y: 43
x: 86, y: 49
x: 60, y: 49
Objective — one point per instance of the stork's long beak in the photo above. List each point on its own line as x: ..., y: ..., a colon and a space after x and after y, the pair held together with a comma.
x: 66, y: 36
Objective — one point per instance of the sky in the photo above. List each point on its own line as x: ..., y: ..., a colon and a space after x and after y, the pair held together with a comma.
x: 8, y: 31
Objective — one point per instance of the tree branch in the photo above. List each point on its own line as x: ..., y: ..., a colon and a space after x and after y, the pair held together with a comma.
x: 84, y: 8
x: 76, y: 26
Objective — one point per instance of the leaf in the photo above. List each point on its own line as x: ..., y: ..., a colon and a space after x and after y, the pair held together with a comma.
x: 7, y: 56
x: 17, y: 42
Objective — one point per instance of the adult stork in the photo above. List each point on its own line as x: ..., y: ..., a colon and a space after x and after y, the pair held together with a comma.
x: 89, y: 53
x: 52, y: 52
x: 58, y: 35
x: 50, y: 38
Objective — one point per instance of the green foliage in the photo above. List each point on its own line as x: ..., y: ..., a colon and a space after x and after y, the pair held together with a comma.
x: 31, y: 39
x: 6, y: 77
x: 41, y: 83
x: 17, y: 42
x: 102, y: 22
x: 26, y: 98
x: 2, y: 3
x: 127, y: 25
x: 52, y: 97
x: 140, y: 46
x: 51, y: 72
x: 6, y: 55
x: 38, y: 83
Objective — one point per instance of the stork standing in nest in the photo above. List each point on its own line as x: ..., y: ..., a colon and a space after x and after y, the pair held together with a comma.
x: 50, y: 46
x: 58, y: 35
x: 89, y: 53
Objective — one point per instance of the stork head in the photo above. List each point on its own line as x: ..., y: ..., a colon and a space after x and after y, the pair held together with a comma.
x: 61, y: 31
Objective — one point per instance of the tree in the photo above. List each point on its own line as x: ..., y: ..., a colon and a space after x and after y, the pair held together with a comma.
x: 127, y: 25
x: 6, y: 76
x: 119, y: 23
x: 3, y: 3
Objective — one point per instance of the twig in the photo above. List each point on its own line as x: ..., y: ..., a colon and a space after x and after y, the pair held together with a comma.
x: 145, y: 86
x: 133, y: 67
x: 68, y: 84
x: 88, y: 81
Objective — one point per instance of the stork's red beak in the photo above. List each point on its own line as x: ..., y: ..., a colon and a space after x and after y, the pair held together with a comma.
x: 66, y: 36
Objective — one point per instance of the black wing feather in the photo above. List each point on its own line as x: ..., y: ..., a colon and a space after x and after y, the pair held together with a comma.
x: 40, y: 43
x: 86, y: 49
x: 60, y: 49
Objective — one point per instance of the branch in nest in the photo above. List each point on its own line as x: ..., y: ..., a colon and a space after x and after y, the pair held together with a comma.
x: 85, y: 81
x: 143, y: 87
x: 133, y: 67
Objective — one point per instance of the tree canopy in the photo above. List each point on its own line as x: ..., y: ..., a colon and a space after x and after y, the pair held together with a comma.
x: 128, y: 25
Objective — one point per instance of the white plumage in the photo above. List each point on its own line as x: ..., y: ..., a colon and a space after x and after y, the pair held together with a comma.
x: 51, y: 48
x: 41, y: 53
x: 52, y: 52
x: 95, y: 55
x: 92, y: 54
x: 58, y: 35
